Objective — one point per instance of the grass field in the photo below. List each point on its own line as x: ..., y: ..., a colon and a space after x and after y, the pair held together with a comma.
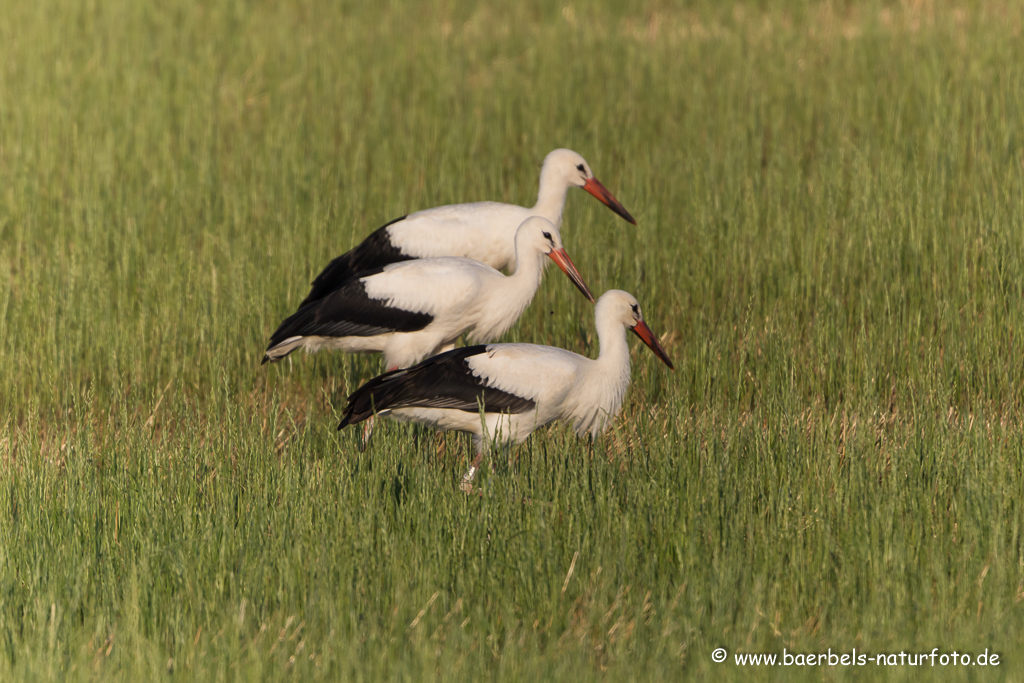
x: 830, y: 199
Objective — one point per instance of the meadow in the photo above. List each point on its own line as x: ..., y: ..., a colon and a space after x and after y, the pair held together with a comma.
x: 830, y: 201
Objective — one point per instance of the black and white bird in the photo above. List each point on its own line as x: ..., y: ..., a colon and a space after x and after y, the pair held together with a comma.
x: 413, y: 309
x: 482, y: 231
x: 517, y: 387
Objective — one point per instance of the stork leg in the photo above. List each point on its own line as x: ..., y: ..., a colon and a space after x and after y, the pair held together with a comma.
x: 466, y: 486
x: 367, y: 432
x: 484, y: 443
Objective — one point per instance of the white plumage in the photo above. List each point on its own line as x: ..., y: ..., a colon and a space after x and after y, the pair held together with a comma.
x: 413, y: 309
x: 482, y: 231
x: 520, y: 387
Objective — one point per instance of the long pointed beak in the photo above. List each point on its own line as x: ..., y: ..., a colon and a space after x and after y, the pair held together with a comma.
x: 594, y: 187
x: 648, y: 338
x: 565, y: 263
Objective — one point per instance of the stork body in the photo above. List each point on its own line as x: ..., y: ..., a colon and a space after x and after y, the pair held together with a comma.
x: 413, y: 309
x: 518, y: 387
x: 482, y: 231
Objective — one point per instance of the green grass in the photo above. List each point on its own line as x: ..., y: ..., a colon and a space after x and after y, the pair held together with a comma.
x: 830, y: 199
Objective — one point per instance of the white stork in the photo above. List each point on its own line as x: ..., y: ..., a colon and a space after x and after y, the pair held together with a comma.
x: 517, y: 387
x: 482, y: 231
x: 413, y: 309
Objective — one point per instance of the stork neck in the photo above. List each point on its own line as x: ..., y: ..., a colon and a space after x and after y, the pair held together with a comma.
x: 508, y: 301
x: 604, y: 386
x: 614, y: 353
x: 529, y: 270
x: 551, y: 198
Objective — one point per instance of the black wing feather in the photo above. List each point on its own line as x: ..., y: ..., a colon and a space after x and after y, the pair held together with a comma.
x: 348, y: 312
x: 376, y: 251
x: 443, y: 381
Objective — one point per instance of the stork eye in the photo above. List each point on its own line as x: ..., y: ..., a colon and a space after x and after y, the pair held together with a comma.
x: 579, y: 167
x: 547, y: 236
x: 636, y: 309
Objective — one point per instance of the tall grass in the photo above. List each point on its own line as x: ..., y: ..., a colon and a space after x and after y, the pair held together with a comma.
x: 829, y: 200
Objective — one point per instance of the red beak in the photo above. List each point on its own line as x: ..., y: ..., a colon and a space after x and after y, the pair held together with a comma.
x: 594, y: 187
x: 565, y: 263
x: 648, y: 338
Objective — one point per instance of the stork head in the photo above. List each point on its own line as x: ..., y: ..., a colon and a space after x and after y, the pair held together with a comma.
x: 539, y: 235
x: 624, y: 308
x: 567, y: 168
